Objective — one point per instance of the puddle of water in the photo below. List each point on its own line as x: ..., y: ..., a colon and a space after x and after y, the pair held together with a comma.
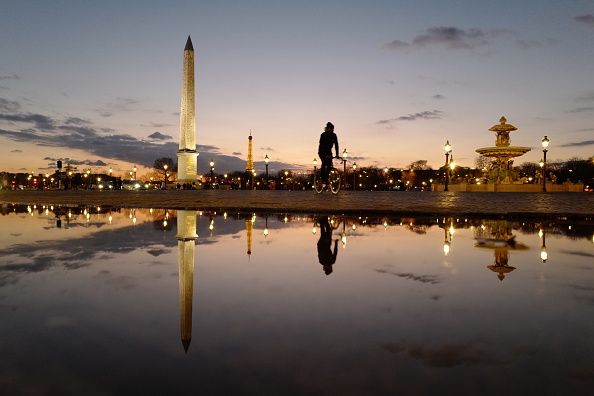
x: 121, y: 301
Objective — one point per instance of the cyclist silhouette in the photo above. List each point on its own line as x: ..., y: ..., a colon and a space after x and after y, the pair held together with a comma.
x: 325, y: 255
x: 327, y: 140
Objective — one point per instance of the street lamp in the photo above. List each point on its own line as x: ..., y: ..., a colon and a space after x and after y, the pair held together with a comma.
x: 266, y: 159
x: 286, y: 180
x: 354, y: 175
x: 211, y: 174
x: 345, y: 154
x: 135, y: 172
x: 110, y: 173
x: 89, y: 177
x: 545, y: 145
x: 165, y: 166
x: 448, y: 149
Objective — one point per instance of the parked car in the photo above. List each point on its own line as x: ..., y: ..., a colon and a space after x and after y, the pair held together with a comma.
x: 102, y: 185
x: 132, y: 185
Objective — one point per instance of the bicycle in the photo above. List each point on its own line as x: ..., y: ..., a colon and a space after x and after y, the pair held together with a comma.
x: 334, y: 179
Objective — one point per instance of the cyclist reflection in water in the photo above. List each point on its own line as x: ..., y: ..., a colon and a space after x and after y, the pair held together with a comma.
x: 325, y: 255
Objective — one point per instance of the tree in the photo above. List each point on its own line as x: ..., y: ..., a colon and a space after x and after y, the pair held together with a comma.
x: 528, y: 169
x: 161, y: 162
x: 419, y: 165
x: 482, y: 162
x: 167, y: 166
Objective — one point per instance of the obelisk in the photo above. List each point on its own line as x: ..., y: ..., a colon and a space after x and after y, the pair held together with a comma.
x: 187, y: 167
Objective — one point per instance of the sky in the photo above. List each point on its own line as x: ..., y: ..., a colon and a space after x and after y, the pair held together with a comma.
x: 98, y: 84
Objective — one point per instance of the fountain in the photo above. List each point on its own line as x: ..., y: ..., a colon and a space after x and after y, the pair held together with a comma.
x: 502, y: 155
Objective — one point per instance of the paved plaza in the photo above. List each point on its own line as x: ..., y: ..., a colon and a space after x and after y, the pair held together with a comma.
x: 530, y: 205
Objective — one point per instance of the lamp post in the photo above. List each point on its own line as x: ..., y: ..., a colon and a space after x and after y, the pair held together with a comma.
x: 135, y: 169
x: 286, y: 180
x: 354, y: 175
x: 165, y: 166
x: 110, y: 173
x: 211, y: 174
x: 266, y: 159
x: 345, y: 154
x: 448, y: 149
x: 89, y: 177
x: 545, y: 145
x: 253, y: 175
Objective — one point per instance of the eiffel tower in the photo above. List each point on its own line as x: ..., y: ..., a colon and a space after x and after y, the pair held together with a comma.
x: 249, y: 166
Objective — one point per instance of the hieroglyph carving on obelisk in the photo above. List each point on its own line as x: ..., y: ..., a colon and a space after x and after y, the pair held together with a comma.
x: 187, y: 167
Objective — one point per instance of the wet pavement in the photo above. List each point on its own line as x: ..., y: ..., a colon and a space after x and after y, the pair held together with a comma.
x: 526, y: 205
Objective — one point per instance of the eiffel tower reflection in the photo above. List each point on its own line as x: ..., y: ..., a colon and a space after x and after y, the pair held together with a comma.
x: 186, y: 243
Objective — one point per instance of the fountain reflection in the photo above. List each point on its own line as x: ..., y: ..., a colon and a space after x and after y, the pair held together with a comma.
x: 497, y: 235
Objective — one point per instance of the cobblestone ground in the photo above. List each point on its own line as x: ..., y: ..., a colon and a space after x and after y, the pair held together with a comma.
x: 553, y: 205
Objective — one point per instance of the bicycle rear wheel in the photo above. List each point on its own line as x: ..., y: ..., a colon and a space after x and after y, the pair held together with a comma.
x: 318, y: 182
x: 334, y: 180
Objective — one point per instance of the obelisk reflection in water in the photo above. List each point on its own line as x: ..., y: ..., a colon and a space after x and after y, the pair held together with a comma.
x: 186, y: 242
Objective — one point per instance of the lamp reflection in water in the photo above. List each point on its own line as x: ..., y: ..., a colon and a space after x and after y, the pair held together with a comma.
x: 447, y: 241
x: 186, y: 243
x: 543, y: 250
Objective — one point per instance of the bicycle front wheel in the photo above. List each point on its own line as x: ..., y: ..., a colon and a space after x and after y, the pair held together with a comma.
x: 334, y: 180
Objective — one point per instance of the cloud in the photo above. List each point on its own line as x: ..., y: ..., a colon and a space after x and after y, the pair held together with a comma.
x: 581, y: 110
x: 432, y: 279
x: 158, y: 125
x: 586, y: 97
x: 438, y: 97
x: 159, y: 136
x: 424, y: 115
x: 266, y: 148
x: 9, y: 105
x: 17, y: 151
x: 452, y: 38
x: 398, y: 45
x: 13, y: 77
x: 449, y: 37
x: 446, y: 355
x: 579, y: 144
x: 76, y: 121
x: 587, y: 19
x: 236, y: 153
x: 526, y: 44
x: 74, y: 133
x: 120, y: 105
x: 41, y: 122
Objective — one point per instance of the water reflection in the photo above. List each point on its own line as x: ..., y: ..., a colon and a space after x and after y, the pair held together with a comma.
x: 326, y: 256
x: 100, y: 295
x: 186, y: 237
